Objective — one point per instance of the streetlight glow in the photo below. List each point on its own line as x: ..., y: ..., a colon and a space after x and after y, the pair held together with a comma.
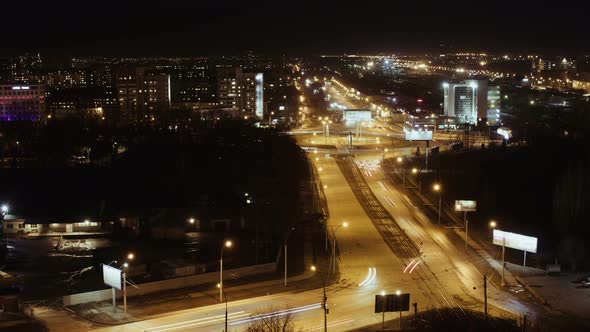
x: 4, y: 208
x: 345, y: 224
x: 398, y: 292
x: 191, y: 220
x: 313, y: 268
x: 228, y: 244
x: 382, y: 293
x: 400, y: 159
x: 130, y: 256
x: 493, y: 224
x: 414, y: 170
x: 436, y: 187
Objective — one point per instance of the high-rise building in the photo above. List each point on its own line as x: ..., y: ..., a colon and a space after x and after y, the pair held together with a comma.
x: 466, y: 100
x: 142, y: 95
x: 22, y: 102
x: 494, y: 101
x: 242, y: 91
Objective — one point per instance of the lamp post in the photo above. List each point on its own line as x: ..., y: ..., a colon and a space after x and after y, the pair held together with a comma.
x: 345, y: 225
x: 438, y: 188
x: 416, y: 171
x: 285, y: 253
x: 383, y: 309
x: 400, y: 160
x: 225, y: 300
x: 324, y: 300
x: 398, y: 293
x: 130, y: 256
x: 227, y: 244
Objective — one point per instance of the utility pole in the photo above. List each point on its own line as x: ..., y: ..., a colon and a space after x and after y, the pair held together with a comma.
x: 416, y: 315
x: 485, y: 295
x: 466, y: 231
x: 383, y: 312
x: 285, y: 262
x: 503, y: 251
x: 325, y: 305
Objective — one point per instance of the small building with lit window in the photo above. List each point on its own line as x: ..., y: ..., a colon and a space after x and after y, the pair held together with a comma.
x: 47, y: 227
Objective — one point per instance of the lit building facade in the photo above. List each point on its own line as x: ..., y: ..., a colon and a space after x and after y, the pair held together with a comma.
x: 22, y: 102
x: 242, y: 91
x: 142, y: 95
x: 466, y: 100
x: 494, y: 104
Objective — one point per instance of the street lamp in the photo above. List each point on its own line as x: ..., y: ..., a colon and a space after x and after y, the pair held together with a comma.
x: 400, y: 160
x: 125, y: 265
x: 228, y: 244
x: 493, y: 224
x: 415, y: 171
x: 225, y: 300
x: 345, y: 225
x: 438, y: 188
x: 191, y: 221
x: 383, y: 309
x: 285, y: 253
x: 325, y: 299
x: 4, y: 208
x: 398, y: 293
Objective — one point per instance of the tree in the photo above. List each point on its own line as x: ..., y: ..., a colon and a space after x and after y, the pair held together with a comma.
x: 272, y: 319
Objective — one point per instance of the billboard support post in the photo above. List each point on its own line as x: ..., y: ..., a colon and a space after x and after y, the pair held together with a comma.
x: 503, y: 250
x: 466, y: 231
x: 524, y: 262
x: 114, y: 299
x: 427, y: 147
x: 485, y: 295
x: 124, y: 293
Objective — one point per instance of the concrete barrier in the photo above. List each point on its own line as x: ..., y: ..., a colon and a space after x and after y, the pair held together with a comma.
x: 168, y: 284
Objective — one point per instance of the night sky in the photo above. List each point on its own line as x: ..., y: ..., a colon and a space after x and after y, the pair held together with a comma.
x: 170, y: 27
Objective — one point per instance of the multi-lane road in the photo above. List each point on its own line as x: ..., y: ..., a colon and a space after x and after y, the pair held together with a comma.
x: 388, y: 246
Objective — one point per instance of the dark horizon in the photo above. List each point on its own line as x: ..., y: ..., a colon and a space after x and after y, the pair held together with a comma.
x: 188, y: 29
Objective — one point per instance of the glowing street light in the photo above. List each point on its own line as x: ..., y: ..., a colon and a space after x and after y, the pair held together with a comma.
x: 438, y: 188
x: 227, y: 244
x: 191, y: 221
x: 4, y: 208
x: 130, y: 256
x: 493, y: 224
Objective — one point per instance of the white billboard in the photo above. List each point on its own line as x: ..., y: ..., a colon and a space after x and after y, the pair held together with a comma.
x: 353, y: 117
x: 465, y: 206
x: 515, y: 241
x: 418, y: 135
x: 111, y: 276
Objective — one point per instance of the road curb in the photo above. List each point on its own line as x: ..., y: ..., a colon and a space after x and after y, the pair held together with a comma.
x: 533, y: 292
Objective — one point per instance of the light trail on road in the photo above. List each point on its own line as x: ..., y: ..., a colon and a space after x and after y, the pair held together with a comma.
x: 196, y: 322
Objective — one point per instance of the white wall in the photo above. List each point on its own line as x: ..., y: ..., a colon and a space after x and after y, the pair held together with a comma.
x: 168, y: 284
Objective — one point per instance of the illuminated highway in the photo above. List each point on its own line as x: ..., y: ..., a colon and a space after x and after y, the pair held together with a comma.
x: 389, y: 245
